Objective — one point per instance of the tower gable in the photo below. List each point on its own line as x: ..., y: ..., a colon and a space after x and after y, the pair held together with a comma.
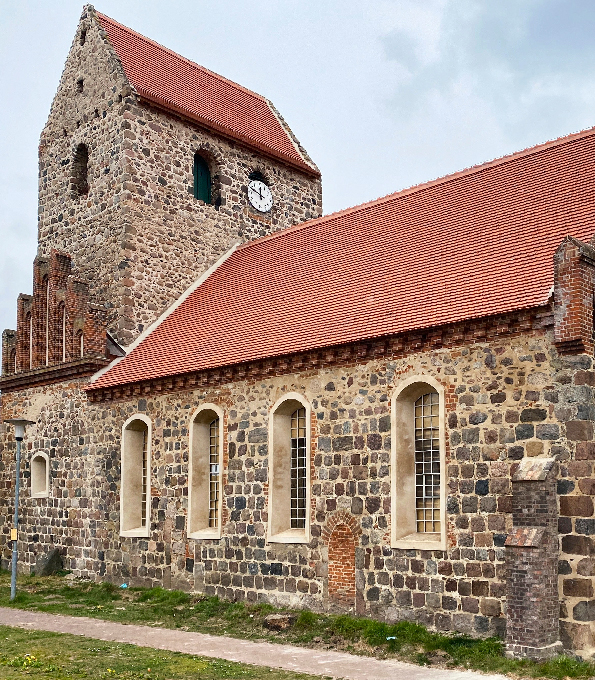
x: 116, y: 182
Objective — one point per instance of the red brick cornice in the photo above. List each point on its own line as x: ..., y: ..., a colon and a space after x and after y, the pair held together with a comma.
x: 453, y: 335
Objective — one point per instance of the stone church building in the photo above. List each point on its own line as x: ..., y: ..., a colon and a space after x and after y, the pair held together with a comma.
x: 388, y: 410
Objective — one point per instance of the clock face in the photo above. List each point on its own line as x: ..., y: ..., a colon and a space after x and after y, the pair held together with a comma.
x: 260, y: 195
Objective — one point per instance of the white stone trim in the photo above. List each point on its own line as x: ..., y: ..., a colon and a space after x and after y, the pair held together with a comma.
x: 138, y: 531
x: 289, y: 535
x: 207, y: 533
x: 403, y: 501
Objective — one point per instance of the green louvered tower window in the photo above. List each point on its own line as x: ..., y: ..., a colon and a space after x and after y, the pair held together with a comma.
x: 202, y: 179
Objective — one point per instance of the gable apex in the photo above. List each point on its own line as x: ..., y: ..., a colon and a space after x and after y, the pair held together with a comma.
x: 169, y: 81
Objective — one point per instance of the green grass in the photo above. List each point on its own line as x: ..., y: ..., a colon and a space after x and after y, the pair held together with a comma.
x: 176, y: 609
x: 55, y: 656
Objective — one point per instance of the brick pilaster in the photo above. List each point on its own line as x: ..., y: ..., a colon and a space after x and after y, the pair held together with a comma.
x: 532, y: 627
x: 574, y: 285
x: 9, y: 349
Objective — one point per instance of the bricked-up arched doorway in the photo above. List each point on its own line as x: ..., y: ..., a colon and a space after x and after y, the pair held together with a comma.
x: 341, y: 534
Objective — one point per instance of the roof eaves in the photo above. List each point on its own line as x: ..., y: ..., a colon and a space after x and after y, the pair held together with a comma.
x: 373, y: 337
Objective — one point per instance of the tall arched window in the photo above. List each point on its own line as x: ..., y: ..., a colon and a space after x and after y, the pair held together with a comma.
x: 427, y: 463
x: 418, y: 465
x: 289, y: 495
x: 135, y: 495
x: 13, y: 361
x: 79, y: 178
x: 298, y: 469
x: 202, y: 179
x: 206, y: 458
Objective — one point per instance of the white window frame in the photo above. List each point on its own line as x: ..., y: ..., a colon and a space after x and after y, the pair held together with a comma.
x: 279, y: 501
x: 140, y: 530
x: 198, y: 476
x: 404, y: 532
x: 46, y: 491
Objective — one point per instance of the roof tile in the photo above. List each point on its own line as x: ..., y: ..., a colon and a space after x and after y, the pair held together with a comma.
x: 177, y: 84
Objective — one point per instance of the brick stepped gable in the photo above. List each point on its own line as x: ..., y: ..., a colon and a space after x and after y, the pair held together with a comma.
x: 59, y: 332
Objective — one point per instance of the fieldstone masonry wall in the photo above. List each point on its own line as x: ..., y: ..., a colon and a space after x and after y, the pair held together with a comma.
x: 508, y: 400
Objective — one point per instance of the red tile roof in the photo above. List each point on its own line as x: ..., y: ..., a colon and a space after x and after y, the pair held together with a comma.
x: 476, y: 243
x: 165, y: 78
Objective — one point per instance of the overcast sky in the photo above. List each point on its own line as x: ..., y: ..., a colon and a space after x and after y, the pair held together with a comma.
x: 383, y: 94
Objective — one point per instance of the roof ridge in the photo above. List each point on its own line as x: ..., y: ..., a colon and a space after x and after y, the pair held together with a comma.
x: 101, y: 16
x: 472, y: 169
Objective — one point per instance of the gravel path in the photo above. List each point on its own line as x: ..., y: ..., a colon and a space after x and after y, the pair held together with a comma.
x: 287, y: 657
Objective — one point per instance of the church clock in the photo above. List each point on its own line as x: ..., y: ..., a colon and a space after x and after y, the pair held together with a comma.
x: 260, y: 195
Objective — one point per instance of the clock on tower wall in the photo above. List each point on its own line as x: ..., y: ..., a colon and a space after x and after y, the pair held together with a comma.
x: 260, y: 195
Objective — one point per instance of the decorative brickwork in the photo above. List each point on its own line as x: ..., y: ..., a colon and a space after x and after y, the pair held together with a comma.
x: 341, y: 566
x: 9, y: 351
x: 341, y: 532
x: 57, y: 328
x: 574, y: 290
x: 532, y: 612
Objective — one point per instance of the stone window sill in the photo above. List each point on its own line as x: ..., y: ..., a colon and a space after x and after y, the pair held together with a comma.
x: 205, y: 534
x: 290, y: 536
x: 421, y: 541
x: 140, y: 532
x: 42, y: 494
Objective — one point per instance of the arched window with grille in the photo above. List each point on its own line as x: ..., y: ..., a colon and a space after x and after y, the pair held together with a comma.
x: 202, y: 179
x: 205, y: 471
x: 289, y: 496
x: 135, y: 487
x: 427, y: 463
x: 418, y: 465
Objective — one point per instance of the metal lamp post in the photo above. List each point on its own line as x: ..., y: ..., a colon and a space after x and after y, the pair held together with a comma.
x: 19, y: 433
